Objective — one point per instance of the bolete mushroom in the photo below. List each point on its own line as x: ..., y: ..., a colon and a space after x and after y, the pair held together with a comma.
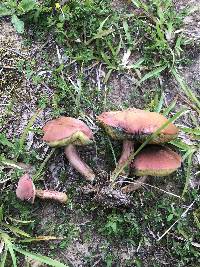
x: 70, y: 132
x: 26, y: 191
x: 153, y: 160
x: 135, y: 125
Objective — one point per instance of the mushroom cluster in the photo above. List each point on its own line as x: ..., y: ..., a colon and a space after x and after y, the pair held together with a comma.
x: 135, y: 126
x: 131, y: 126
x: 64, y: 132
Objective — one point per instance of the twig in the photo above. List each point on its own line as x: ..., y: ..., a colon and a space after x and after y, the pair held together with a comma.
x: 182, y: 216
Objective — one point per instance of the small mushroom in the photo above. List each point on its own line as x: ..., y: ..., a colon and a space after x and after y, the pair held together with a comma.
x: 153, y: 160
x: 70, y: 132
x: 135, y: 125
x: 26, y: 191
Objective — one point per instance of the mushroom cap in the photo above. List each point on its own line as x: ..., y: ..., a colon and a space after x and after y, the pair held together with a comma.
x: 66, y: 130
x: 137, y: 124
x: 155, y: 160
x: 26, y: 189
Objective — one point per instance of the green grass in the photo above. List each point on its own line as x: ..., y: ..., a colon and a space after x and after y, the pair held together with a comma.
x: 80, y: 38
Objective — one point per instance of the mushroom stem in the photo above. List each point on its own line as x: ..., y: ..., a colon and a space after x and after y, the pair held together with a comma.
x: 50, y: 194
x: 127, y: 149
x: 135, y: 185
x: 75, y: 160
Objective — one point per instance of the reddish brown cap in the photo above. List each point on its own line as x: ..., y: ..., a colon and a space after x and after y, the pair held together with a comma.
x: 26, y: 189
x: 67, y: 130
x: 137, y: 124
x: 155, y: 160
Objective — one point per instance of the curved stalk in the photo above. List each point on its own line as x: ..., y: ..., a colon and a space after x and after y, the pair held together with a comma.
x: 134, y: 185
x: 127, y: 149
x: 75, y: 160
x: 50, y: 194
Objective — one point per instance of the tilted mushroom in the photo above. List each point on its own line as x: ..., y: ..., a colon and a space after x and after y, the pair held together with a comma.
x: 70, y: 132
x: 135, y: 125
x: 26, y: 191
x: 153, y: 160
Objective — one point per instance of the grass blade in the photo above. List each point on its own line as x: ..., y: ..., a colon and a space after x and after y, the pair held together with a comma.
x: 15, y: 230
x: 127, y: 32
x: 196, y: 220
x: 30, y: 124
x: 10, y: 248
x: 112, y: 151
x: 3, y: 259
x: 188, y: 173
x: 181, y: 145
x: 152, y: 74
x: 186, y: 90
x: 160, y: 104
x: 195, y: 131
x: 186, y: 155
x: 167, y: 110
x: 40, y: 258
x: 37, y: 176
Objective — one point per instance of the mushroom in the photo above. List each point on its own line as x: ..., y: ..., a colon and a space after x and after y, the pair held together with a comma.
x: 68, y: 132
x: 153, y: 160
x: 135, y: 125
x: 26, y: 191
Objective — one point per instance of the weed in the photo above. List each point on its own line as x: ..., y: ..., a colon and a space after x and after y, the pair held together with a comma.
x: 11, y: 245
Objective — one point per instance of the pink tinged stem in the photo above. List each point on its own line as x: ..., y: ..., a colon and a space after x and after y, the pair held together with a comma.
x: 127, y: 149
x: 137, y: 184
x: 50, y: 194
x: 75, y: 160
